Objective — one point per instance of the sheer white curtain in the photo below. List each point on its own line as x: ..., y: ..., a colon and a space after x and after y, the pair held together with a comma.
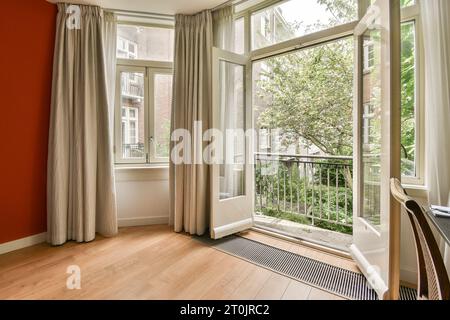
x: 224, y: 38
x: 81, y: 196
x: 436, y: 30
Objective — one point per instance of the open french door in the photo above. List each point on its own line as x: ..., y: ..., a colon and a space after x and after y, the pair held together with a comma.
x: 376, y: 233
x: 232, y: 170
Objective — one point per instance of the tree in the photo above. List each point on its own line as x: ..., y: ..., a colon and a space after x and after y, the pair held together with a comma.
x: 309, y: 96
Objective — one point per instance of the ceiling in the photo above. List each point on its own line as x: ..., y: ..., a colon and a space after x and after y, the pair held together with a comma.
x: 153, y: 6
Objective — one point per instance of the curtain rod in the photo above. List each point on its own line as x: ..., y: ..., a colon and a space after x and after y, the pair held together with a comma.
x: 142, y: 13
x: 170, y: 16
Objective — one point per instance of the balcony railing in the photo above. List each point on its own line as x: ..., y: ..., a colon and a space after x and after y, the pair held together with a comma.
x: 314, y: 190
x: 133, y: 151
x: 132, y: 86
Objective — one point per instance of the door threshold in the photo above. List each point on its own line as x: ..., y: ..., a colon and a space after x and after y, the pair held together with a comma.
x: 307, y: 243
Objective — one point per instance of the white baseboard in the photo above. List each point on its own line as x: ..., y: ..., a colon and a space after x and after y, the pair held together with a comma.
x: 144, y: 221
x: 23, y: 243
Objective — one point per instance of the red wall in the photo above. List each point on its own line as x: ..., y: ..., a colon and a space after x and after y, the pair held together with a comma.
x: 27, y: 31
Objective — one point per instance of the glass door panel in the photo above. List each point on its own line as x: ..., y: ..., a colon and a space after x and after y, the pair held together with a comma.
x: 232, y: 126
x: 371, y: 140
x: 132, y: 84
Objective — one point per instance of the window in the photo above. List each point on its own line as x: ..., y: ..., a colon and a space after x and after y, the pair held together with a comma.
x: 145, y: 43
x: 369, y: 56
x: 132, y: 110
x: 273, y: 24
x: 283, y: 88
x: 295, y: 18
x: 144, y: 98
x: 162, y: 83
x: 239, y: 35
x: 409, y: 100
x: 126, y: 49
x: 130, y: 125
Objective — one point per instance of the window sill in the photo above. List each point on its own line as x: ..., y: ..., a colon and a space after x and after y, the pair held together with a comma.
x: 415, y: 190
x: 126, y: 167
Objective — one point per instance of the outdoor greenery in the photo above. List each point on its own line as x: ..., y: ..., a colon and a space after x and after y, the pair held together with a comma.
x: 308, y: 95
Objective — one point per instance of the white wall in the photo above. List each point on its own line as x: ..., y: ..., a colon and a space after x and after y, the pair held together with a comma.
x: 142, y: 196
x: 143, y: 199
x: 408, y: 255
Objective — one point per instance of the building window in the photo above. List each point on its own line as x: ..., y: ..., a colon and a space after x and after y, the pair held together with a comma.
x: 289, y: 20
x: 126, y: 49
x: 369, y: 56
x: 144, y: 95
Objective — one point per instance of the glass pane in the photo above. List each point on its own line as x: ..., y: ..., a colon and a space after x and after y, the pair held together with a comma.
x: 132, y: 102
x: 303, y: 111
x: 408, y: 100
x: 145, y: 43
x: 407, y: 3
x: 163, y: 107
x: 303, y: 101
x: 296, y: 18
x: 232, y: 126
x: 371, y: 133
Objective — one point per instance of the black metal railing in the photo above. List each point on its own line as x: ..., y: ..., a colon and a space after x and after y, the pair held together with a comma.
x: 316, y: 190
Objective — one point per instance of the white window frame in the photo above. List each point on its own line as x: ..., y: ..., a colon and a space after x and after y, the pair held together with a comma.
x: 148, y: 68
x: 411, y: 13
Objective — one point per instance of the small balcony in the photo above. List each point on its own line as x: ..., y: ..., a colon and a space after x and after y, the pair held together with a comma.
x: 133, y: 151
x: 307, y: 197
x: 132, y: 86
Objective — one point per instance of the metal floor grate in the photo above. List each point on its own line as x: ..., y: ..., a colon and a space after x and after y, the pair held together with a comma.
x: 318, y: 274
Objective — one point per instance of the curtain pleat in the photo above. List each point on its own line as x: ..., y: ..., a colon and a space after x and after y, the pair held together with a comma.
x: 81, y: 197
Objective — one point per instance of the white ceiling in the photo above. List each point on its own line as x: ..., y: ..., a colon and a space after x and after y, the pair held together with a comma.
x: 153, y: 6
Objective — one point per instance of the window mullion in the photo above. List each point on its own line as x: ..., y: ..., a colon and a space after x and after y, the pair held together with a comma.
x: 147, y: 129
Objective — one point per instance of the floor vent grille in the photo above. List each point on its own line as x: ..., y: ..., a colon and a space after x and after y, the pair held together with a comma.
x: 318, y: 274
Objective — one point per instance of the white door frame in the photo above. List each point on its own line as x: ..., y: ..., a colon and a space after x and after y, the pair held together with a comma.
x: 235, y: 214
x: 377, y: 249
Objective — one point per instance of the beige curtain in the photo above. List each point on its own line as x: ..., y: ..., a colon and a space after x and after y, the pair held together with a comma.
x: 81, y: 198
x: 189, y: 183
x: 436, y: 26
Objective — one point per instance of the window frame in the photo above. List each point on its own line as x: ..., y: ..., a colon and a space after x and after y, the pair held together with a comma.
x: 148, y: 68
x: 409, y: 13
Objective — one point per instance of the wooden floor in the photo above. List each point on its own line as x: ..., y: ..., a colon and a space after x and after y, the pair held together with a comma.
x: 149, y: 263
